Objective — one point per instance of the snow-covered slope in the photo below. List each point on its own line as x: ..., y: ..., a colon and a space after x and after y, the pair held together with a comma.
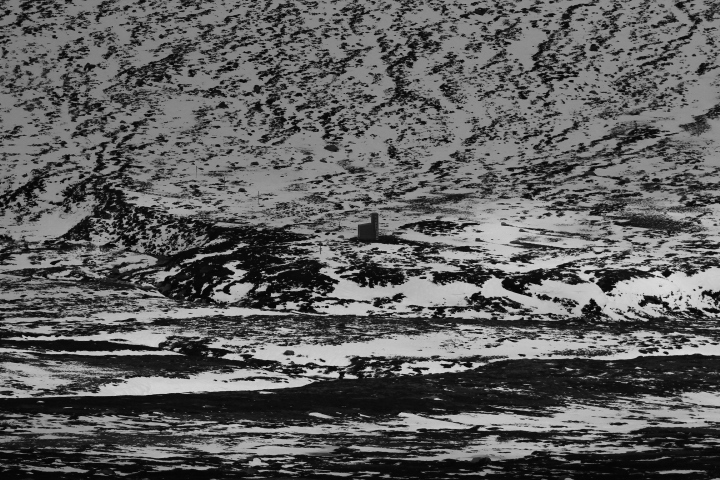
x: 553, y: 158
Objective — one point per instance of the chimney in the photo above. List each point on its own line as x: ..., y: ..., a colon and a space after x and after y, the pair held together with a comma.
x: 375, y: 220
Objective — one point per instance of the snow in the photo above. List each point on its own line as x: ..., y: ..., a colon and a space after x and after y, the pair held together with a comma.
x: 622, y: 416
x: 416, y: 291
x: 203, y: 382
x: 30, y: 375
x: 706, y: 399
x: 494, y: 288
x: 320, y: 415
x: 413, y: 422
x: 49, y: 225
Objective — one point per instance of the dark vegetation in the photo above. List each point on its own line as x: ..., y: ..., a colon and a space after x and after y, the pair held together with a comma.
x: 608, y: 278
x: 369, y: 274
x: 437, y: 227
x: 658, y: 222
x: 523, y: 387
x: 518, y: 283
x: 192, y: 346
x: 71, y: 345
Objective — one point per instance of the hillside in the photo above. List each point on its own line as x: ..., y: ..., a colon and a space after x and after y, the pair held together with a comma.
x: 507, y: 146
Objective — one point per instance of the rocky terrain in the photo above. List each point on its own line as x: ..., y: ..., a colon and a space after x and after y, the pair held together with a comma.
x: 536, y: 143
x: 180, y: 188
x: 506, y: 146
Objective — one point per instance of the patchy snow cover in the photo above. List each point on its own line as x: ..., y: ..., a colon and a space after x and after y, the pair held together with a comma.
x: 162, y: 176
x: 204, y: 382
x: 541, y: 136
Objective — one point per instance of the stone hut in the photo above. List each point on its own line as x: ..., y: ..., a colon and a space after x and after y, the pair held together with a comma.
x: 369, y: 231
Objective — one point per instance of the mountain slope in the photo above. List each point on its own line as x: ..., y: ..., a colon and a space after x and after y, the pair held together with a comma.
x: 533, y: 158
